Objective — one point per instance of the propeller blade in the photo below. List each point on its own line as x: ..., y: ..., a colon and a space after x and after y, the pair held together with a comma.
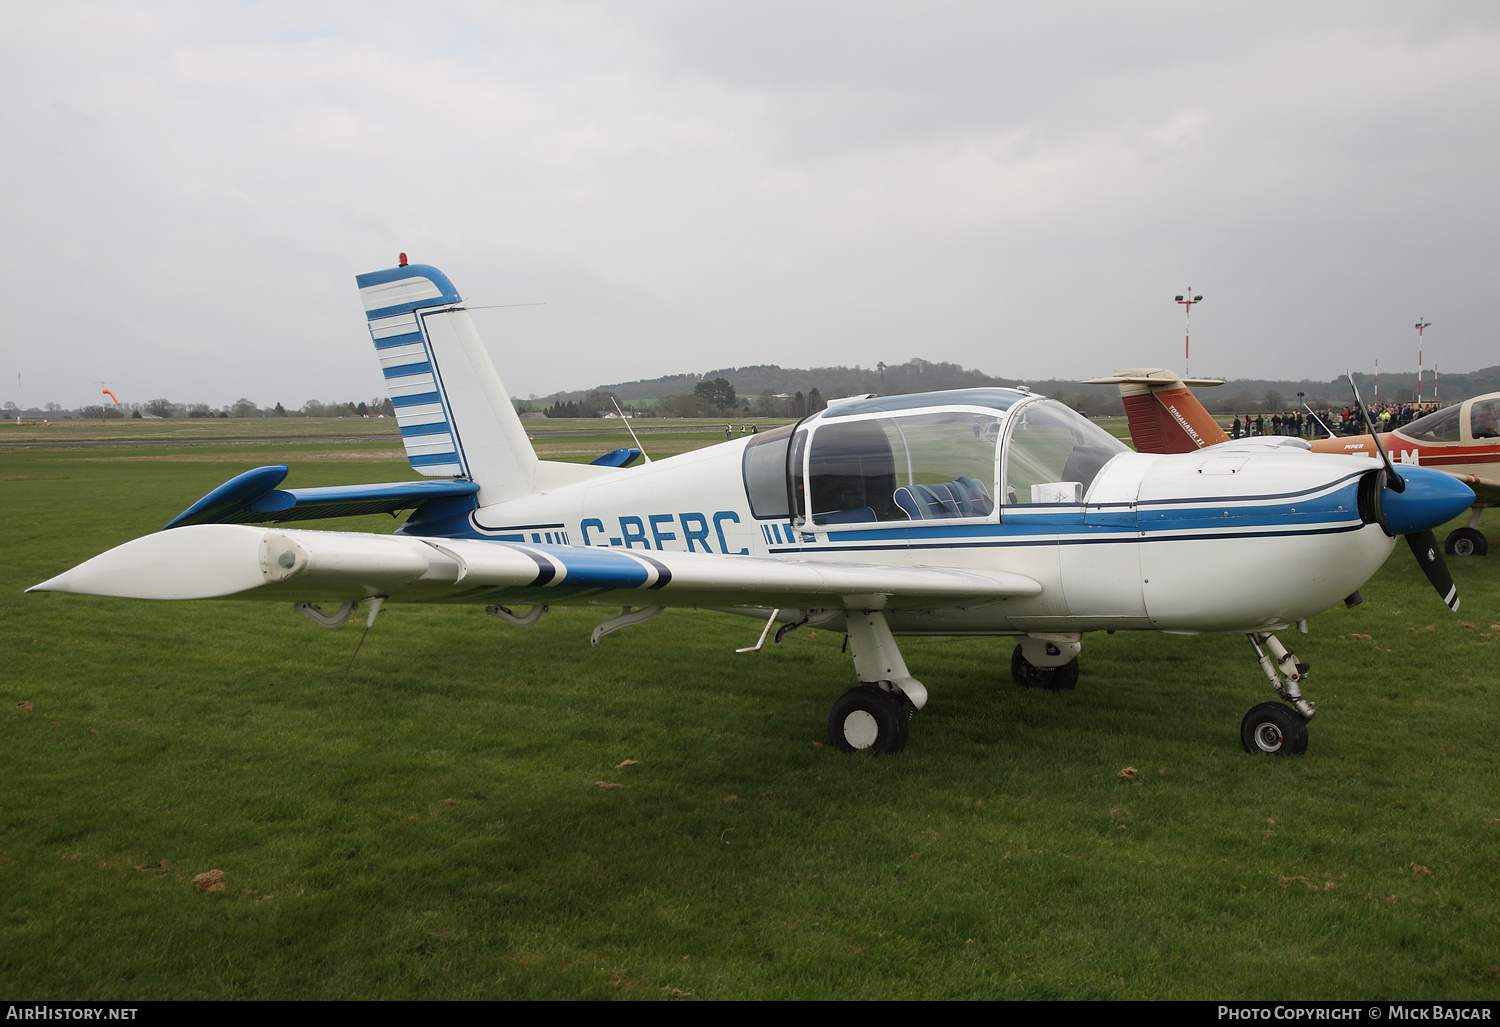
x: 1394, y: 481
x: 1424, y: 546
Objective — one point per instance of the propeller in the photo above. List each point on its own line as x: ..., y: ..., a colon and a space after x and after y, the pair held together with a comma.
x: 1423, y: 541
x: 1394, y: 481
x: 1424, y: 546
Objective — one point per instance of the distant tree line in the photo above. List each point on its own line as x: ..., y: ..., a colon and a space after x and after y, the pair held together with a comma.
x: 166, y: 408
x: 768, y: 404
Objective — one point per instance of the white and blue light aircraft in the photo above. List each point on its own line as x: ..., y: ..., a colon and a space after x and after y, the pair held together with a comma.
x: 971, y: 512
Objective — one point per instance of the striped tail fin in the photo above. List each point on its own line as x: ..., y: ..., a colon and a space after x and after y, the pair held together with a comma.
x: 1165, y: 416
x: 456, y: 418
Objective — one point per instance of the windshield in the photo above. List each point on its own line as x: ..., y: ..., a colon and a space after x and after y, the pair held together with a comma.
x: 1438, y: 426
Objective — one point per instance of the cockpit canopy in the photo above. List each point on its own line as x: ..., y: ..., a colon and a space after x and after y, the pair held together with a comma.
x: 935, y: 456
x: 1447, y: 424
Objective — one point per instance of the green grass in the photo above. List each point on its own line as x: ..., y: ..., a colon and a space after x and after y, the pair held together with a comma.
x: 429, y: 824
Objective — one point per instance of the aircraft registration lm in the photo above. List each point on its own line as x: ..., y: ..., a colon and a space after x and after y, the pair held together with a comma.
x: 970, y: 512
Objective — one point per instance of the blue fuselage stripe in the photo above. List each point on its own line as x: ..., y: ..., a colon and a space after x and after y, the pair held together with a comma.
x: 1019, y: 540
x: 1335, y: 507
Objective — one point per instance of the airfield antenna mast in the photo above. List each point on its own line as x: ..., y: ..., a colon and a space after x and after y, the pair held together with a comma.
x: 1377, y: 381
x: 1187, y: 328
x: 1421, y: 324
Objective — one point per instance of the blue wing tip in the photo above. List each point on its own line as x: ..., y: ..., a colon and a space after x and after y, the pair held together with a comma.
x: 241, y: 490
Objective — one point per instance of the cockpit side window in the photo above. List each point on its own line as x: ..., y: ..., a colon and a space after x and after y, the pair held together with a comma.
x: 1483, y: 415
x: 920, y: 466
x: 852, y: 473
x: 1438, y: 426
x: 765, y: 473
x: 1053, y: 454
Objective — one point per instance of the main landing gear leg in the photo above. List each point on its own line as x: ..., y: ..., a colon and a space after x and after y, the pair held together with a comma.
x: 1279, y: 728
x: 876, y: 715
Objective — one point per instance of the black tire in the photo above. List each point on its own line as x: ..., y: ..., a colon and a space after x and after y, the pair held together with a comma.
x: 1466, y: 542
x: 1054, y: 679
x: 869, y: 719
x: 1275, y: 729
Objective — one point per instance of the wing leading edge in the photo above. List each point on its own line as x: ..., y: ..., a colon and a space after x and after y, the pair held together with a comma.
x: 1486, y: 490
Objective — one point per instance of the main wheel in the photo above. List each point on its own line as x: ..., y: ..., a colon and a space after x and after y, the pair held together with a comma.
x: 1054, y: 679
x: 1274, y: 728
x: 869, y: 718
x: 1466, y: 542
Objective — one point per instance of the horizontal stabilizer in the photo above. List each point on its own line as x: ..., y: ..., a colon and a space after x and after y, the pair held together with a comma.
x: 253, y: 498
x: 229, y: 560
x: 617, y: 457
x: 1151, y: 378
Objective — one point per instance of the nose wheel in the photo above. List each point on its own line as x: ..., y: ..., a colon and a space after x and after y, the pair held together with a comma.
x: 1275, y: 729
x: 1278, y: 728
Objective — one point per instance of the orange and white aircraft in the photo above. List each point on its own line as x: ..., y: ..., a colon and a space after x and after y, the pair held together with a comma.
x: 1463, y: 439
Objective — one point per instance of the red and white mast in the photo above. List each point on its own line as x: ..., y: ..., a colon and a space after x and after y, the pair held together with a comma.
x: 1420, y: 325
x: 1187, y: 332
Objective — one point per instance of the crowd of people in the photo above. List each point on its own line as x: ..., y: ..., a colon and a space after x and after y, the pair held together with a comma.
x: 1387, y: 416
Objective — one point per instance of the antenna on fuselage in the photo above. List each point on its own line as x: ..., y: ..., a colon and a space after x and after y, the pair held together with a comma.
x: 644, y: 454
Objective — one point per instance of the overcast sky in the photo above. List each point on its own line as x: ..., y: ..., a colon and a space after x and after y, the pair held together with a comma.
x: 190, y: 188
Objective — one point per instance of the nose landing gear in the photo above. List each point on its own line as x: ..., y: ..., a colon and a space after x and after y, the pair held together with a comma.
x: 1278, y: 728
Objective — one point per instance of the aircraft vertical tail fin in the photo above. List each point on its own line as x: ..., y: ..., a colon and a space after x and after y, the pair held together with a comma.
x: 1165, y: 416
x: 456, y: 418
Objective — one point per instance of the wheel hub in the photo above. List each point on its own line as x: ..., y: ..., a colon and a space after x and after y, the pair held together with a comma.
x: 860, y: 729
x: 1268, y: 737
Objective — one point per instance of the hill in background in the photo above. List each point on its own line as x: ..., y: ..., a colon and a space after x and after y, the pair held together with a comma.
x: 917, y: 375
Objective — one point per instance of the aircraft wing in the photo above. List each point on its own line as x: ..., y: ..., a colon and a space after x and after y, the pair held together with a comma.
x: 233, y: 561
x: 1486, y: 490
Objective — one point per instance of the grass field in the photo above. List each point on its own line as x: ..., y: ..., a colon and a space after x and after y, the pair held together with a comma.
x: 453, y: 816
x: 293, y: 429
